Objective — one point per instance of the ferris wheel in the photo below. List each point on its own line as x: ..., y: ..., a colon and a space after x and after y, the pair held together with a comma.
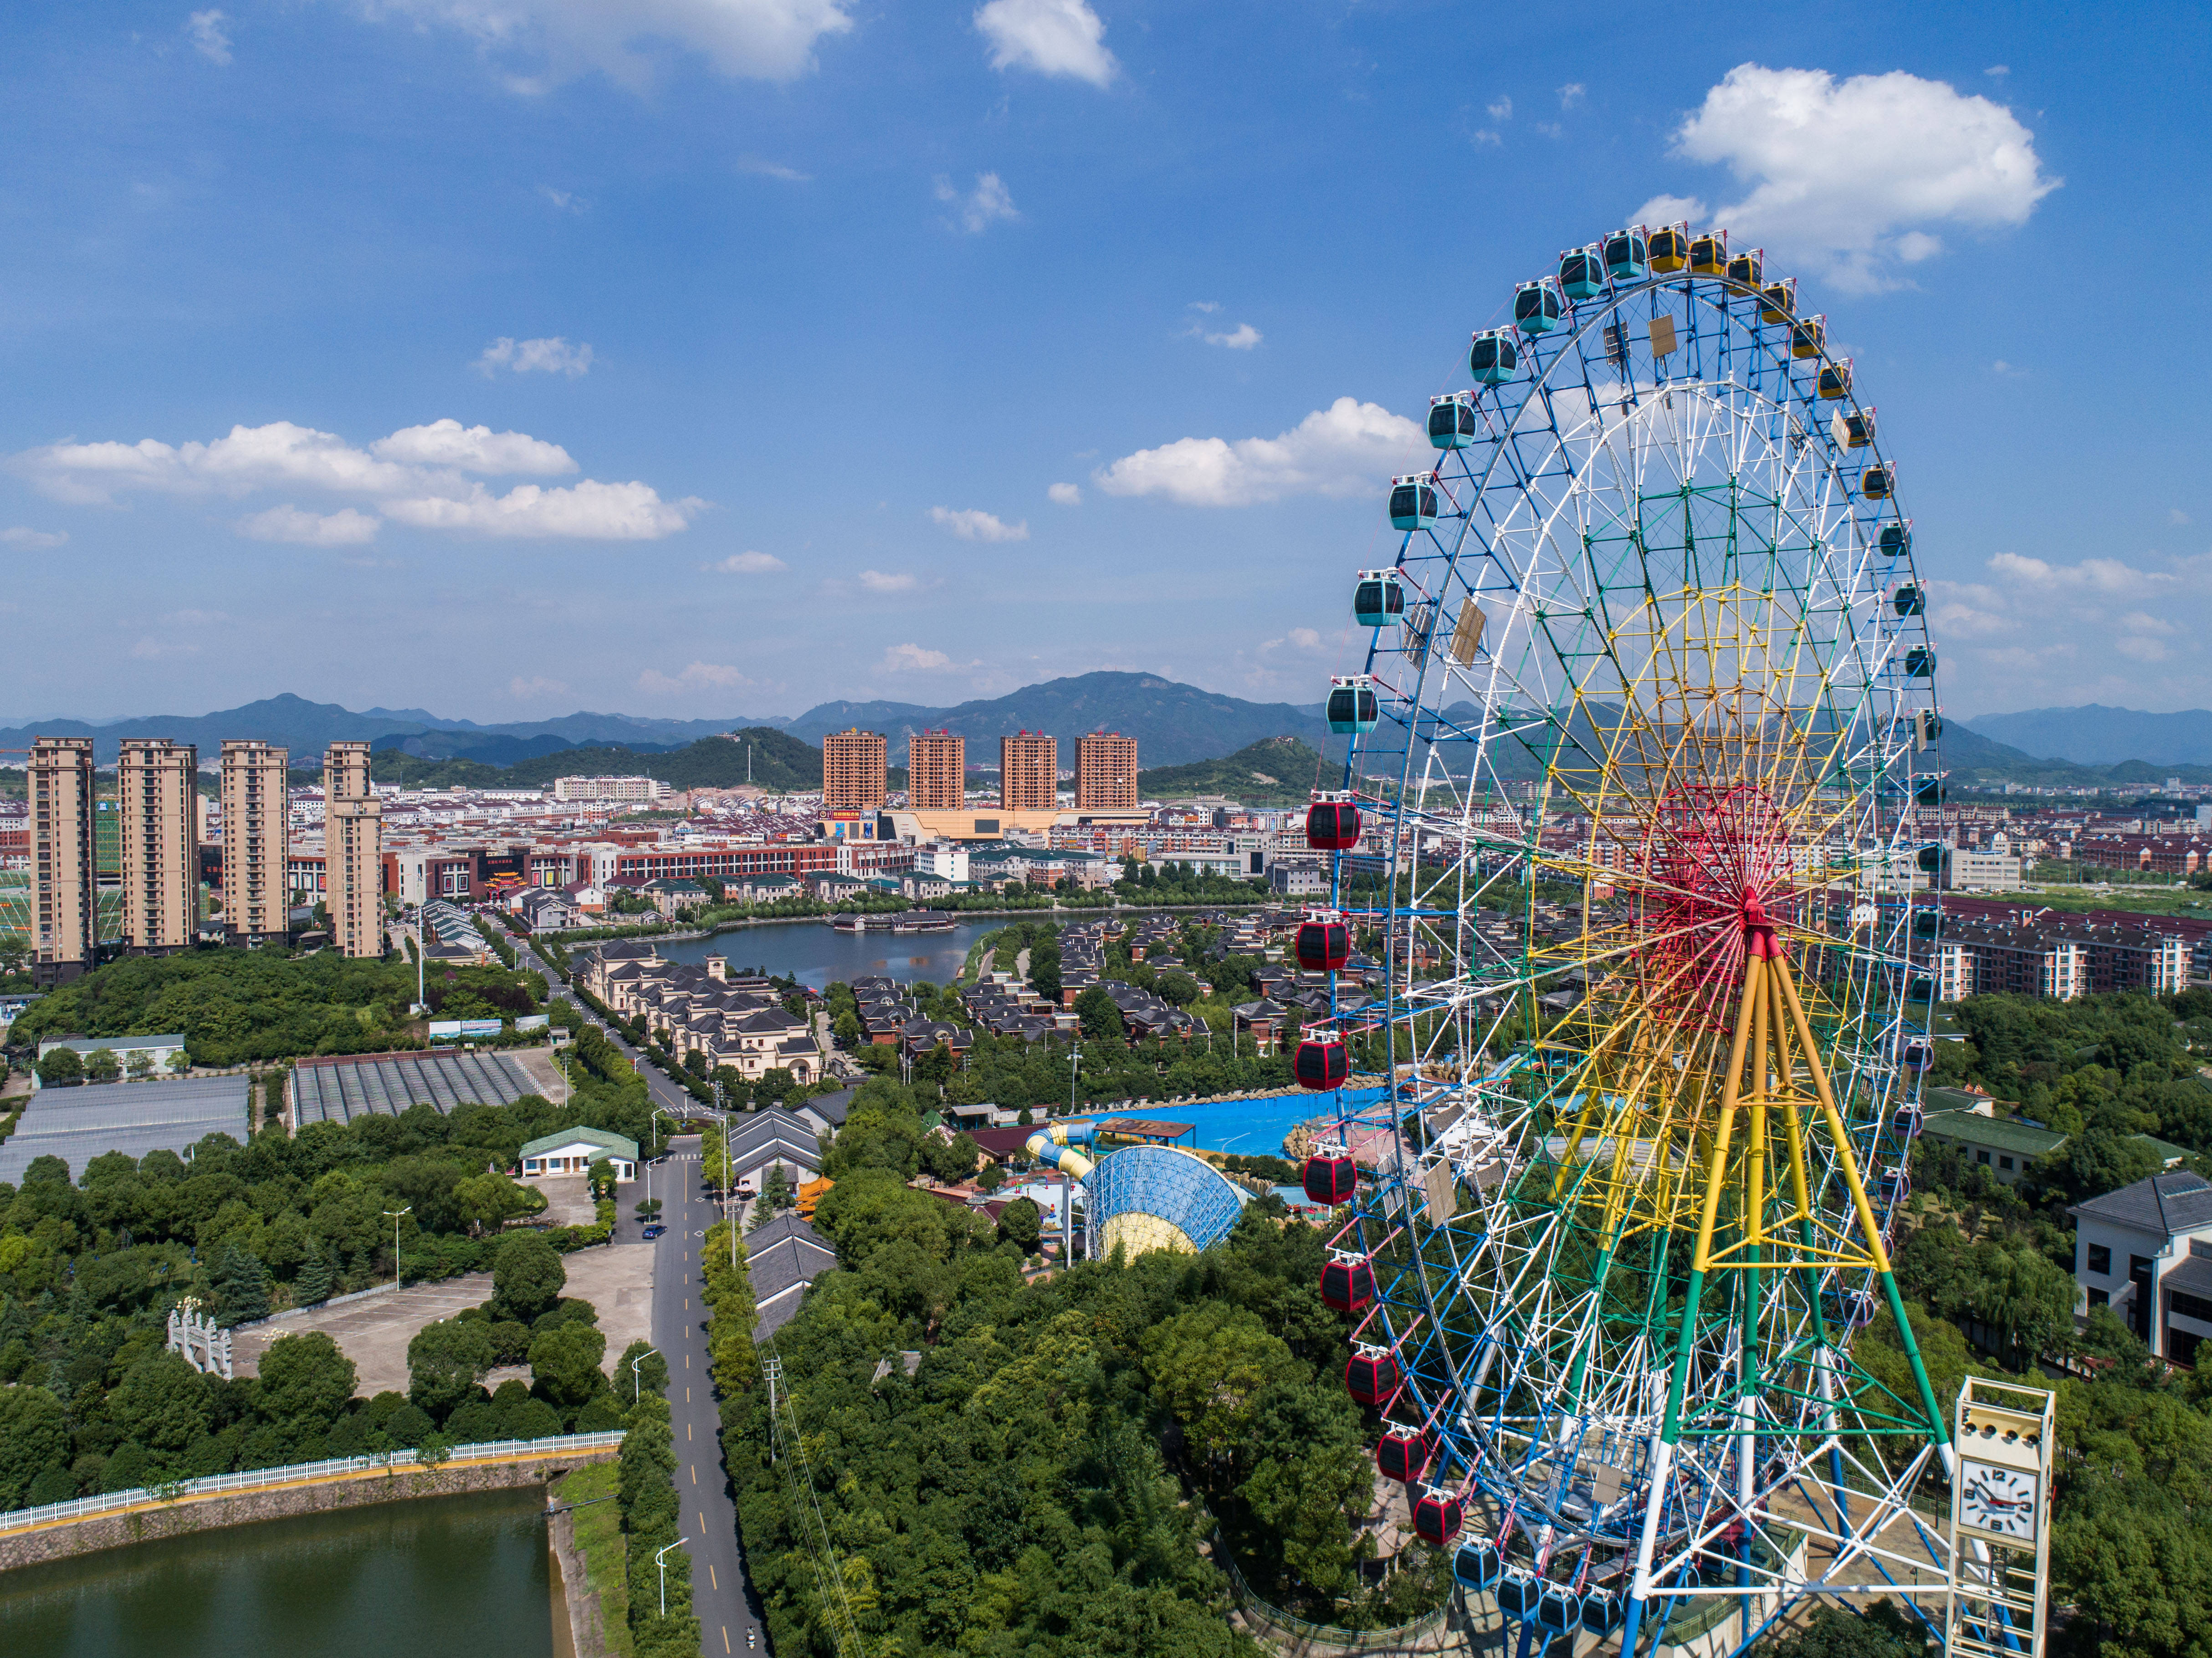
x: 1643, y: 776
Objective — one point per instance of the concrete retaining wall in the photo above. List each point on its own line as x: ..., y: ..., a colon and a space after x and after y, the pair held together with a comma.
x: 151, y: 1524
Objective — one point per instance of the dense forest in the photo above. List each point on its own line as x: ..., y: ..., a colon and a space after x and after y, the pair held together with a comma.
x: 240, y: 1006
x: 759, y: 754
x: 1063, y: 1469
x: 91, y: 1261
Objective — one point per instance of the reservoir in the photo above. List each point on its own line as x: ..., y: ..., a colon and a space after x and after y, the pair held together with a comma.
x: 816, y: 954
x: 450, y: 1577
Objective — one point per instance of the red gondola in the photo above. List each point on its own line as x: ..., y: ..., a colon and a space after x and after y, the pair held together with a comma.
x: 1331, y: 1179
x: 1402, y: 1456
x: 1370, y: 1378
x: 1324, y: 943
x: 1347, y: 1285
x: 1332, y: 826
x: 1320, y: 1061
x: 1436, y: 1520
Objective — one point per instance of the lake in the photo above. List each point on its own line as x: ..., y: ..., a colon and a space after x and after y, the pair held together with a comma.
x: 446, y: 1577
x: 816, y: 954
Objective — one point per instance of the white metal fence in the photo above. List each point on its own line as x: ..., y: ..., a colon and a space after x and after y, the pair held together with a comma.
x: 494, y: 1450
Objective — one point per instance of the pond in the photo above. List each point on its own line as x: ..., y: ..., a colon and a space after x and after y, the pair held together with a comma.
x: 447, y: 1577
x: 816, y: 954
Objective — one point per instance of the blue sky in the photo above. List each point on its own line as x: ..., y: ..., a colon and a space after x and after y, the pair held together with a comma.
x: 782, y: 321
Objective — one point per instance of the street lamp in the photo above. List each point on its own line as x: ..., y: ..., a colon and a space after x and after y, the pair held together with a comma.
x: 637, y: 1381
x: 657, y: 1561
x: 1074, y: 1057
x: 393, y: 1215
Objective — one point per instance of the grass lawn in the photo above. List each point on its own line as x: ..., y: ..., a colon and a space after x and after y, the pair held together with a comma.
x: 599, y: 1539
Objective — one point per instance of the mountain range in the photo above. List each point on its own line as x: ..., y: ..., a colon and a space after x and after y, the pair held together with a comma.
x: 2093, y: 735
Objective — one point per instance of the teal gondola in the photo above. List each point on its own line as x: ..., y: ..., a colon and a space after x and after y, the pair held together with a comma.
x: 1451, y: 420
x: 1896, y: 539
x: 1353, y: 709
x: 1494, y: 356
x: 1379, y: 600
x: 1414, y: 500
x: 1628, y: 254
x: 1582, y: 273
x: 1919, y: 662
x: 1909, y: 600
x: 1537, y: 307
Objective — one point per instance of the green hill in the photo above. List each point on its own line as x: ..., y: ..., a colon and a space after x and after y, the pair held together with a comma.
x: 1275, y: 771
x: 776, y: 762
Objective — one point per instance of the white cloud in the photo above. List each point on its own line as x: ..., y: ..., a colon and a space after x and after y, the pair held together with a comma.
x: 697, y: 676
x: 748, y: 564
x: 749, y: 40
x: 974, y: 525
x: 529, y: 690
x: 1997, y: 71
x: 1066, y: 495
x: 1845, y: 173
x: 553, y: 356
x: 474, y: 449
x: 2173, y: 515
x: 1304, y: 639
x: 790, y: 175
x: 417, y: 476
x: 1243, y: 337
x: 884, y: 582
x: 209, y: 38
x: 1487, y: 137
x: 1570, y: 95
x: 567, y: 200
x: 902, y: 658
x: 1346, y: 449
x: 1052, y: 37
x: 347, y: 527
x: 35, y: 539
x: 1501, y: 108
x: 977, y: 210
x: 589, y: 511
x: 1667, y: 209
x: 1207, y: 305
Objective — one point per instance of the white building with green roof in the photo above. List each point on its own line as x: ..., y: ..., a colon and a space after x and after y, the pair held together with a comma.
x: 573, y: 1150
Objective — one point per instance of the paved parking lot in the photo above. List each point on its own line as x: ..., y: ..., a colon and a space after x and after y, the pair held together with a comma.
x: 374, y: 1332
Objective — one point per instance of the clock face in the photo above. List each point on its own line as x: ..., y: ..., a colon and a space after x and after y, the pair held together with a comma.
x: 1999, y: 1501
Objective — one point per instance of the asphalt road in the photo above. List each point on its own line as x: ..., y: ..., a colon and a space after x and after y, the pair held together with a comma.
x: 720, y: 1594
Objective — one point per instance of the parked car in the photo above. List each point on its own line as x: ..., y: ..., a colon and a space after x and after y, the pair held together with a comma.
x: 655, y: 1229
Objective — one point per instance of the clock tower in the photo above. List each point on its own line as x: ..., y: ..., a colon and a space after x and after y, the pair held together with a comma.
x: 2000, y: 1521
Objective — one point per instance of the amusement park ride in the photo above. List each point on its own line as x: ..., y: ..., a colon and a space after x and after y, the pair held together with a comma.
x: 1609, y: 1234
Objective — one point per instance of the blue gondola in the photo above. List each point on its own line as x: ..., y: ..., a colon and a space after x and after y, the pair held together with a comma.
x: 1477, y: 1565
x: 1709, y: 254
x: 1836, y: 379
x: 1879, y: 481
x: 1379, y: 599
x: 1559, y: 1608
x: 1537, y: 307
x: 1809, y: 337
x: 1451, y: 420
x: 1414, y: 500
x: 1600, y: 1613
x: 1517, y: 1594
x: 1858, y: 428
x: 1582, y: 273
x: 1748, y: 267
x: 1628, y: 254
x: 1909, y: 600
x: 1353, y: 709
x: 1494, y: 356
x: 1778, y: 300
x: 1670, y: 248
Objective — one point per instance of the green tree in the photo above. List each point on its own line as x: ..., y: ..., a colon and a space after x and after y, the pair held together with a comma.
x: 100, y: 1066
x: 241, y: 1287
x: 34, y: 1437
x: 446, y: 1361
x: 527, y: 1277
x: 60, y: 1068
x: 161, y: 1402
x: 318, y: 1276
x: 492, y: 1199
x: 1102, y: 1019
x: 1021, y: 1224
x: 565, y: 1362
x: 306, y: 1381
x: 1881, y: 1631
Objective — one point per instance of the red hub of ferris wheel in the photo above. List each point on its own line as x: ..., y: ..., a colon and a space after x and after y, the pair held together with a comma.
x: 1717, y: 882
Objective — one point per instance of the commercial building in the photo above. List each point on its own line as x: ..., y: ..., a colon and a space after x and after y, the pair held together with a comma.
x: 64, y: 892
x: 353, y: 851
x: 1105, y: 770
x: 631, y: 790
x: 256, y: 839
x: 1029, y: 772
x: 936, y: 772
x: 853, y: 767
x: 157, y: 804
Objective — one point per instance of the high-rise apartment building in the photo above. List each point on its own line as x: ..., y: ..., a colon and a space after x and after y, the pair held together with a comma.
x: 353, y: 851
x: 157, y: 785
x: 1029, y: 772
x: 64, y: 893
x: 853, y: 767
x: 256, y: 839
x: 1105, y: 770
x: 936, y: 772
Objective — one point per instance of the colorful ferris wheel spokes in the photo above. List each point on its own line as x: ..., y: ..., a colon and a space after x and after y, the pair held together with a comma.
x: 1648, y: 738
